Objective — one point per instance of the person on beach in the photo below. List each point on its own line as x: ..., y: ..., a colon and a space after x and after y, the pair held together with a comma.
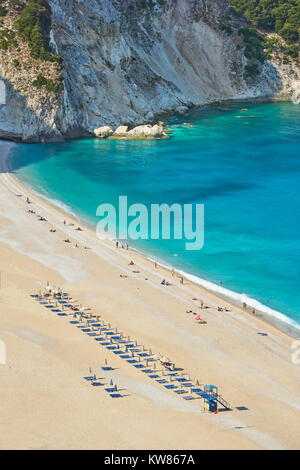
x: 253, y: 311
x: 67, y: 240
x: 202, y: 304
x: 117, y: 244
x: 28, y: 201
x: 244, y: 305
x: 131, y: 263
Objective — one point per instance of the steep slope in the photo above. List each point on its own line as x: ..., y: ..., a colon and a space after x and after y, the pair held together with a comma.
x: 129, y: 62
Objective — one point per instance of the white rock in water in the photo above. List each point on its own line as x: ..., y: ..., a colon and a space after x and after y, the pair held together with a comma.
x: 103, y: 132
x: 147, y: 131
x: 121, y: 130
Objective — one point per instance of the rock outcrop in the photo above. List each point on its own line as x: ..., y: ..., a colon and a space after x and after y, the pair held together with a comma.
x: 121, y: 131
x: 103, y: 132
x: 129, y: 62
x: 146, y: 131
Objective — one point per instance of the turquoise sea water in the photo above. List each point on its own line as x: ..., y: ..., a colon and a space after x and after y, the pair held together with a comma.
x: 241, y: 160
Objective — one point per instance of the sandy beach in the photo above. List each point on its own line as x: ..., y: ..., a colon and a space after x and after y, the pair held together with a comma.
x: 45, y: 401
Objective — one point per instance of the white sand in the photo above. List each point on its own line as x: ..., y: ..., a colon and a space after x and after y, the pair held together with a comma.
x: 47, y: 404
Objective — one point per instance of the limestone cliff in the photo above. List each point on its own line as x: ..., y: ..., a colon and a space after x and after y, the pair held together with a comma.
x: 128, y: 62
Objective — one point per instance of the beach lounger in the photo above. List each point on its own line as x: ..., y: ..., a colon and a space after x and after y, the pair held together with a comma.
x: 125, y: 356
x: 143, y: 354
x: 97, y: 384
x: 181, y: 379
x: 85, y: 330
x: 34, y: 296
x: 153, y: 376
x: 49, y: 306
x: 56, y: 310
x: 180, y: 392
x: 111, y: 347
x: 74, y: 322
x: 106, y: 343
x: 162, y: 381
x: 62, y: 314
x: 188, y: 384
x: 107, y: 368
x: 196, y: 390
x: 92, y: 334
x: 98, y: 339
x: 188, y: 397
x: 148, y: 371
x: 170, y: 387
x: 110, y: 389
x: 139, y: 366
x: 132, y: 361
x: 91, y: 377
x: 118, y: 352
x: 115, y: 395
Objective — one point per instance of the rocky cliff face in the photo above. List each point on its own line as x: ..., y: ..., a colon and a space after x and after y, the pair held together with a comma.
x: 132, y: 61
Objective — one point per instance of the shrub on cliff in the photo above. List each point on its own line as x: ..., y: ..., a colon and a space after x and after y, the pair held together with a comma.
x: 280, y: 16
x: 34, y: 25
x: 3, y: 11
x: 50, y: 85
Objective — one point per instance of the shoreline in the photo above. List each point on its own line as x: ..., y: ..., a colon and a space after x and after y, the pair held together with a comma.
x: 268, y: 315
x: 47, y: 403
x: 158, y: 117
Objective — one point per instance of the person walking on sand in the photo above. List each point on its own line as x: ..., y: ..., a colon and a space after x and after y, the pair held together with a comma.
x: 244, y: 305
x: 202, y: 303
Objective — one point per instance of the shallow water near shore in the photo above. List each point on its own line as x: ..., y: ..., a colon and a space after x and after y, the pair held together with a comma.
x: 240, y: 160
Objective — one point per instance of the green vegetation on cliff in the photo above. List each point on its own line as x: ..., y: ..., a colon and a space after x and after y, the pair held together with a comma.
x: 279, y: 16
x: 34, y: 25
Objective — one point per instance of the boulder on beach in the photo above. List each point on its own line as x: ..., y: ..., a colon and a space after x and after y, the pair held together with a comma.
x: 147, y: 131
x: 103, y: 132
x: 121, y: 130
